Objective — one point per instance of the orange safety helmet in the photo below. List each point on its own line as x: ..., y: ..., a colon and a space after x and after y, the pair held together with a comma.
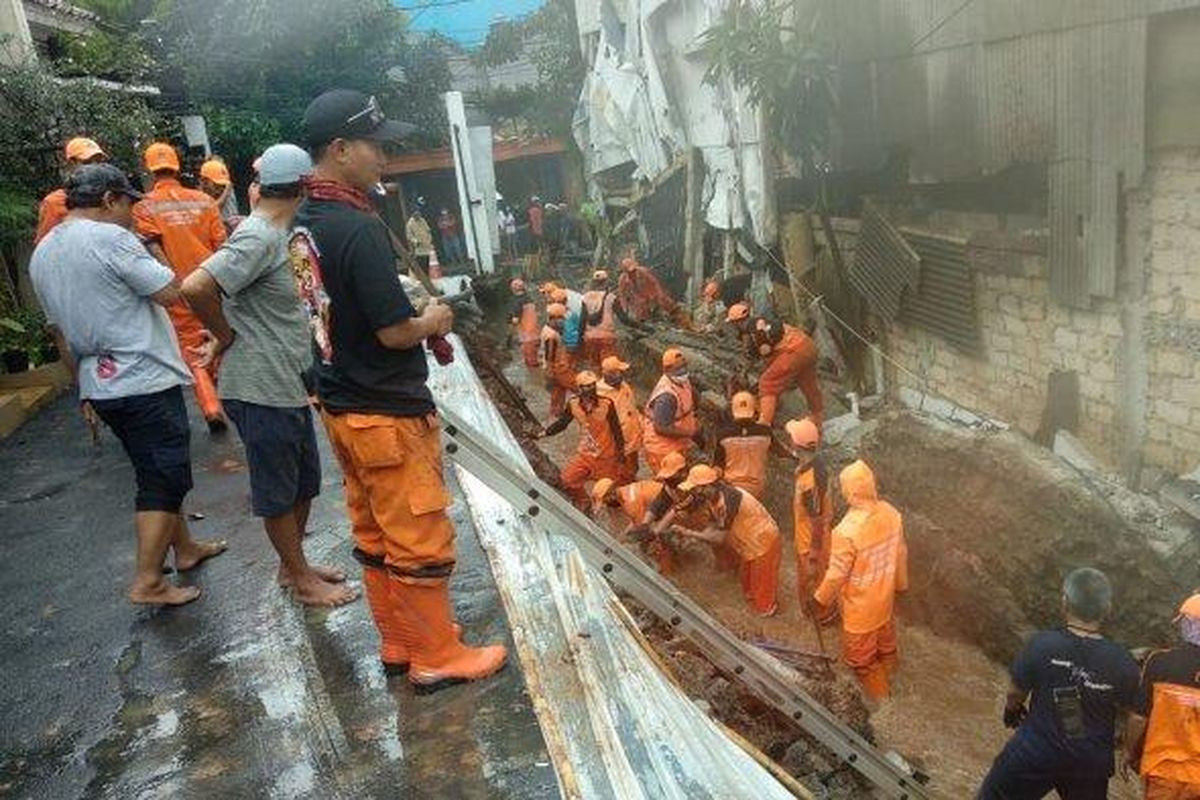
x: 628, y: 264
x: 517, y: 285
x: 548, y: 287
x: 613, y: 364
x: 586, y: 378
x: 1190, y: 608
x: 161, y: 156
x: 700, y: 475
x: 804, y: 433
x: 711, y: 290
x: 672, y: 358
x: 82, y: 148
x: 558, y: 296
x: 600, y: 275
x: 215, y: 170
x: 556, y: 311
x: 672, y: 464
x: 738, y: 312
x: 743, y: 406
x: 601, y: 489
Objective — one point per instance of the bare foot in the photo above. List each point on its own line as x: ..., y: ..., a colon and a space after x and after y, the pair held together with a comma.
x: 163, y: 594
x: 198, y: 552
x: 327, y: 574
x: 312, y: 591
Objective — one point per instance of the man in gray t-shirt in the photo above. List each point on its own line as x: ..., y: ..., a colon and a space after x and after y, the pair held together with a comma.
x: 104, y: 297
x: 246, y: 296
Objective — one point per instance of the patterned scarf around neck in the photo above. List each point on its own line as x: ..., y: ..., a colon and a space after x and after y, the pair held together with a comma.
x: 320, y: 189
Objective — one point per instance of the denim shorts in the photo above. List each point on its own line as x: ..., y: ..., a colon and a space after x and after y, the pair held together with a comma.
x: 281, y: 453
x: 153, y: 429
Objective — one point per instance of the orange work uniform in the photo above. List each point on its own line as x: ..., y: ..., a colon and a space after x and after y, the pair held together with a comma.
x: 641, y: 294
x: 793, y: 362
x: 868, y: 565
x: 600, y: 331
x: 525, y: 318
x: 631, y: 422
x: 812, y: 514
x: 658, y: 445
x: 601, y: 450
x: 636, y: 499
x: 1170, y: 693
x: 753, y: 536
x: 187, y: 225
x: 559, y: 365
x: 742, y: 450
x: 51, y: 211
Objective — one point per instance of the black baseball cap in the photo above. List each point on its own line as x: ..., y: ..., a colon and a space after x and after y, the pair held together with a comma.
x: 93, y: 180
x: 347, y: 114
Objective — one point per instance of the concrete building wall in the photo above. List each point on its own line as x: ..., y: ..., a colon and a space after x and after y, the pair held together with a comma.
x: 1136, y: 356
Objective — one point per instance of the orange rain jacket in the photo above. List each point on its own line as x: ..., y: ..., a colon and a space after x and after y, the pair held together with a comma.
x: 869, y: 559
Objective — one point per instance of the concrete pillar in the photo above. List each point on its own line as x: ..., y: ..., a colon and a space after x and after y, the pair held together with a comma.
x: 16, y: 43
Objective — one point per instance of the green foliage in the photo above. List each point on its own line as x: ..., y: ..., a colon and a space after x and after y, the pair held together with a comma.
x: 549, y: 38
x: 780, y: 63
x: 17, y: 215
x: 24, y: 329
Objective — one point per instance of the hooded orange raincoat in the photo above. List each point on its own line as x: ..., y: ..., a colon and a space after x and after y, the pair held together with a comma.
x: 868, y: 565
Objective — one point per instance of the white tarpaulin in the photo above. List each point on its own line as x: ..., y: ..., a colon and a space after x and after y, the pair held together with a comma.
x: 645, y: 101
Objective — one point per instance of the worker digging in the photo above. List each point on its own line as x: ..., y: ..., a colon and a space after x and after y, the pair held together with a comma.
x: 693, y: 404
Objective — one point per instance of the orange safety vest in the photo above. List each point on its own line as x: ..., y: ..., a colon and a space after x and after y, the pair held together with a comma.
x: 685, y: 419
x: 869, y: 559
x: 636, y: 498
x: 527, y: 323
x: 598, y: 302
x: 52, y: 211
x: 597, y: 440
x: 631, y: 420
x: 1172, y: 749
x: 752, y: 531
x: 557, y: 359
x: 806, y: 484
x: 746, y: 462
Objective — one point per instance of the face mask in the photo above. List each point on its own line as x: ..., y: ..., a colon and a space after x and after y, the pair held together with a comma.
x: 679, y: 377
x: 614, y: 380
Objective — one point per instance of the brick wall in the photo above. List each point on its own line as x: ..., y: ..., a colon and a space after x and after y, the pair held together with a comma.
x: 1026, y: 335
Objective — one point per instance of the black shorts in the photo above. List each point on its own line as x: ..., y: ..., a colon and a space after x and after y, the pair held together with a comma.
x: 153, y: 429
x: 281, y: 453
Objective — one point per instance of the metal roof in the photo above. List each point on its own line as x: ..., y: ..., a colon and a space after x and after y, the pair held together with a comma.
x: 998, y: 84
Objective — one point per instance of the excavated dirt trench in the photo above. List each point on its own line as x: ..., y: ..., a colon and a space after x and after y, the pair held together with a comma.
x: 992, y: 523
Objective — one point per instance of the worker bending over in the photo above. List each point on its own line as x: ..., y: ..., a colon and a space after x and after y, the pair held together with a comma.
x: 741, y: 523
x: 641, y: 295
x: 651, y: 529
x: 868, y: 565
x: 557, y: 361
x: 601, y: 450
x: 182, y: 227
x: 812, y: 509
x: 614, y: 386
x: 671, y: 424
x: 1163, y: 737
x: 633, y: 500
x: 525, y: 322
x: 743, y: 446
x: 791, y: 361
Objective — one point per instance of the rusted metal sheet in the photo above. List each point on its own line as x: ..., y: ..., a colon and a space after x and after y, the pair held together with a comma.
x: 885, y: 267
x: 943, y: 302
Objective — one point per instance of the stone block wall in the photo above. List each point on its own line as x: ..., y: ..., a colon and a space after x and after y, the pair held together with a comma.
x: 1136, y: 356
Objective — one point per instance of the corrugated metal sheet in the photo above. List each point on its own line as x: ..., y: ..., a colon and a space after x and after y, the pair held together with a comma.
x: 885, y: 267
x: 944, y: 300
x: 1023, y: 81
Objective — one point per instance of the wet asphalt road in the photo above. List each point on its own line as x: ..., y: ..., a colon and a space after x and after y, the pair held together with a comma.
x: 241, y: 694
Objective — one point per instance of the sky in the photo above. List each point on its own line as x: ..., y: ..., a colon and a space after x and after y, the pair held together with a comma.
x: 465, y: 21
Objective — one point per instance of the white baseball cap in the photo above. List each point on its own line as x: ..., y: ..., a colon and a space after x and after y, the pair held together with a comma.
x: 283, y: 165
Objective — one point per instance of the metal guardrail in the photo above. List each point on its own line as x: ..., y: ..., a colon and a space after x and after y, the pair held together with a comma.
x: 769, y: 680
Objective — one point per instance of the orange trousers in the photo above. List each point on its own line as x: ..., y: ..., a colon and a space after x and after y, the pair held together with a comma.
x: 581, y: 468
x: 873, y: 657
x: 531, y: 353
x: 559, y: 384
x: 1167, y: 789
x: 760, y: 580
x: 189, y: 332
x: 594, y: 351
x: 395, y: 495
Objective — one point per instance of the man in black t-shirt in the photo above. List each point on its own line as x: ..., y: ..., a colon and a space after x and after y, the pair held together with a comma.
x: 379, y: 413
x: 1075, y: 681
